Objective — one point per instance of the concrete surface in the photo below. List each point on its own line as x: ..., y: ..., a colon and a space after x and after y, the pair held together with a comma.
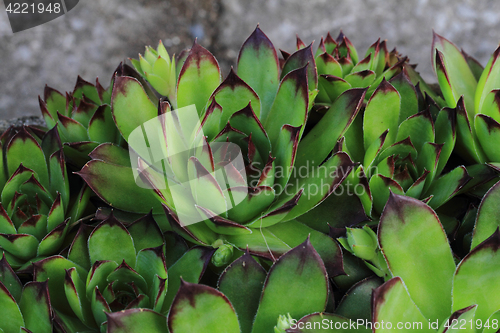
x: 96, y: 35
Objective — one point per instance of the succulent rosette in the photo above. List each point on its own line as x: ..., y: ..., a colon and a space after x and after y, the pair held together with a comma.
x: 83, y: 117
x: 36, y: 208
x: 258, y: 113
x: 112, y: 268
x: 340, y: 67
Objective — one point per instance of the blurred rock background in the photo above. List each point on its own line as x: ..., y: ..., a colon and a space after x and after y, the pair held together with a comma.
x: 96, y: 35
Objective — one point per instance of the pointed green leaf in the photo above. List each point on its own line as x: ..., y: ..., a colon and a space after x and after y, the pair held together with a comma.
x: 488, y: 219
x: 330, y: 88
x: 299, y: 59
x: 242, y: 283
x: 10, y: 279
x: 320, y: 184
x: 290, y: 106
x: 74, y: 289
x: 109, y: 181
x: 356, y: 302
x: 382, y: 113
x: 327, y: 64
x: 111, y: 153
x: 111, y: 241
x: 320, y: 141
x: 136, y: 320
x: 102, y: 127
x: 151, y: 263
x: 11, y: 311
x: 190, y: 267
x: 35, y: 306
x: 410, y: 230
x: 54, y: 268
x: 234, y: 94
x: 299, y: 269
x: 361, y: 79
x: 22, y: 246
x: 24, y: 149
x: 197, y: 308
x: 198, y: 78
x: 445, y: 129
x: 481, y: 264
x: 409, y: 102
x: 131, y: 105
x: 458, y: 72
x: 419, y: 128
x: 392, y: 304
x: 488, y: 134
x: 145, y: 233
x: 444, y: 188
x: 489, y: 80
x: 78, y: 251
x: 258, y: 52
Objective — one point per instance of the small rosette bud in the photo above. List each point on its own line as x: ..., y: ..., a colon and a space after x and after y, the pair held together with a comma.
x: 284, y: 323
x: 223, y: 255
x: 361, y: 242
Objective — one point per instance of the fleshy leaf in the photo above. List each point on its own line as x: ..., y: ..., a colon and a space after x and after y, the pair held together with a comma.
x: 489, y: 80
x: 391, y: 303
x: 35, y: 306
x: 488, y: 219
x: 410, y: 230
x: 233, y: 95
x: 299, y: 269
x: 488, y: 134
x: 109, y: 180
x: 198, y: 78
x: 242, y: 283
x: 258, y: 52
x: 130, y: 105
x: 24, y: 149
x: 382, y: 113
x: 300, y: 59
x: 320, y: 141
x: 11, y: 311
x: 356, y: 302
x: 458, y: 72
x: 111, y: 241
x: 136, y: 320
x: 444, y: 188
x: 197, y: 307
x: 190, y: 267
x: 290, y: 106
x: 10, y: 279
x: 481, y: 264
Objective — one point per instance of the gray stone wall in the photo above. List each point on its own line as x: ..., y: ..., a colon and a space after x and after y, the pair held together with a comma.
x: 96, y: 35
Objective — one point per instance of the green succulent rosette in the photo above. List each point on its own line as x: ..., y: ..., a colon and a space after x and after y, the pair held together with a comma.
x: 83, y: 118
x: 36, y: 206
x: 260, y: 110
x: 111, y: 269
x: 340, y: 68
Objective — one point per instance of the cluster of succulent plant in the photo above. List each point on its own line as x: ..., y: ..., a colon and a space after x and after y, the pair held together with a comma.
x: 236, y: 205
